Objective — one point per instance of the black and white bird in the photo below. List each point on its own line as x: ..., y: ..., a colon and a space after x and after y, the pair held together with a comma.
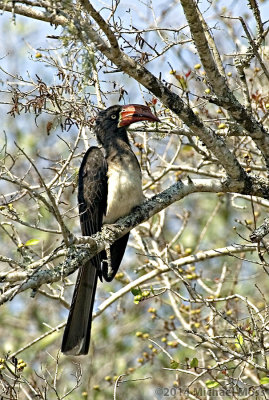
x: 110, y: 186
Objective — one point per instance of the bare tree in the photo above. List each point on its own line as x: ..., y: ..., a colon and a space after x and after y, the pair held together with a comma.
x: 188, y: 311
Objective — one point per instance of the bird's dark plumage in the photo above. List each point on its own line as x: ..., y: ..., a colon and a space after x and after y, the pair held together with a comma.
x: 109, y: 187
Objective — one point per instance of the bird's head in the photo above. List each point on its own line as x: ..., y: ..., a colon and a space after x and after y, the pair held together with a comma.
x: 113, y: 121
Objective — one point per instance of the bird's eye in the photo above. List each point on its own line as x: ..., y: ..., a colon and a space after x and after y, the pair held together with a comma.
x: 113, y: 116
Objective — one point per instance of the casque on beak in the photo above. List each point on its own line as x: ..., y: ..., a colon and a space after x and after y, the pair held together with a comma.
x: 135, y: 112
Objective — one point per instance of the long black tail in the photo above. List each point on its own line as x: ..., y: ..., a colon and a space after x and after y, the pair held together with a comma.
x: 77, y: 333
x: 76, y: 338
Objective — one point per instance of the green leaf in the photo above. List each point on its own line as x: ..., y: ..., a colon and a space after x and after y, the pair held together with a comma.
x: 137, y: 291
x: 194, y: 363
x: 174, y: 364
x: 31, y: 242
x: 264, y: 380
x: 211, y: 384
x: 239, y: 342
x: 240, y: 339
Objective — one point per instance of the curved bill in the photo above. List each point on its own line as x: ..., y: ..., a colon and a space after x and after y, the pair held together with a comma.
x: 134, y: 113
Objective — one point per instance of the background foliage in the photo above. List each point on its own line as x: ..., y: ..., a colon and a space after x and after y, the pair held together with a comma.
x: 187, y: 314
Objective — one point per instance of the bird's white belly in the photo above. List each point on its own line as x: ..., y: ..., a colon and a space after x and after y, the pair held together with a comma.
x: 124, y: 191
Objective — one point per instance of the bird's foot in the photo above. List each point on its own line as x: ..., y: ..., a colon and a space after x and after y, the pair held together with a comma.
x: 108, y: 231
x: 71, y: 239
x: 107, y: 270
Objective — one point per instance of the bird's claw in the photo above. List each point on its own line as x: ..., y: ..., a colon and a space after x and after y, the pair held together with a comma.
x: 108, y: 230
x: 71, y: 239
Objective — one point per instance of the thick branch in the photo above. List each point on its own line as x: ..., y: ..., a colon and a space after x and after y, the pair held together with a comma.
x: 214, y: 143
x: 258, y: 234
x: 88, y: 247
x: 101, y: 22
x: 30, y: 12
x: 219, y: 84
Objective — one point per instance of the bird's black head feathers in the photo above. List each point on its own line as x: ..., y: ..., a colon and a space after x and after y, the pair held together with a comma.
x: 106, y: 126
x: 111, y: 123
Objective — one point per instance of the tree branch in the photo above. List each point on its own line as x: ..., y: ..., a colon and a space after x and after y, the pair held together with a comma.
x: 219, y: 84
x: 214, y: 142
x: 87, y: 247
x: 32, y: 13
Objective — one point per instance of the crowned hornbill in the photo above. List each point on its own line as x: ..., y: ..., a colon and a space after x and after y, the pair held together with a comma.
x: 109, y: 187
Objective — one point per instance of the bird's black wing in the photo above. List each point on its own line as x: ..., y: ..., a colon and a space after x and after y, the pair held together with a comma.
x: 92, y: 198
x: 117, y: 250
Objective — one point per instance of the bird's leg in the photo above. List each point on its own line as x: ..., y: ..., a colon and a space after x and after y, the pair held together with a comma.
x: 71, y: 239
x: 107, y: 265
x: 108, y: 261
x: 108, y: 228
x: 108, y: 231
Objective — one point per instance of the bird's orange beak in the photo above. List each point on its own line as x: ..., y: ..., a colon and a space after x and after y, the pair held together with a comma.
x: 135, y: 112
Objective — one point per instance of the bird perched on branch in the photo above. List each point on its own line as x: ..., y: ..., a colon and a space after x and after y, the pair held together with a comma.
x: 110, y: 186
